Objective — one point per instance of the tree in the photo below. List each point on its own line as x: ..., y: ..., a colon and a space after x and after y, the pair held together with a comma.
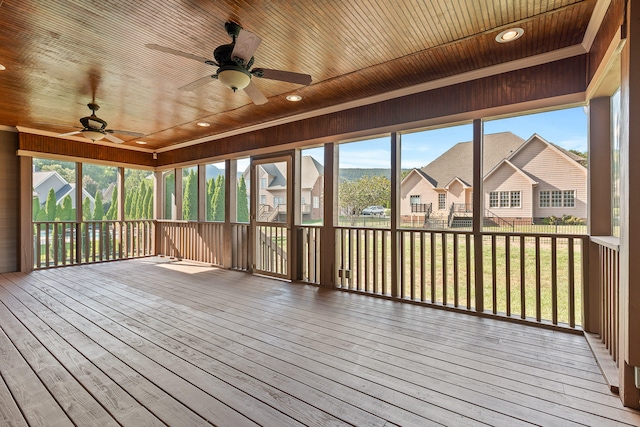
x: 98, y: 210
x: 211, y: 187
x: 65, y: 212
x: 243, y: 204
x: 149, y: 205
x: 169, y: 195
x: 112, y: 213
x: 35, y: 208
x: 128, y: 199
x: 218, y: 199
x: 141, y: 201
x: 133, y: 207
x: 354, y: 196
x: 190, y: 198
x: 89, y: 184
x: 51, y: 206
x: 86, y: 209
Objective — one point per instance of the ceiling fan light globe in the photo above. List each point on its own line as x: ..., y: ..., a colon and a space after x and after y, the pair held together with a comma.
x: 234, y: 77
x: 93, y: 135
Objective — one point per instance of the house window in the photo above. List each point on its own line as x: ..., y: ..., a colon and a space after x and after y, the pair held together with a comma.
x: 515, y: 199
x: 263, y: 199
x: 414, y: 200
x: 442, y: 201
x: 263, y: 183
x: 316, y: 202
x: 277, y: 201
x: 556, y: 199
x: 568, y: 198
x: 545, y: 200
x: 493, y: 199
x: 504, y: 199
x: 303, y: 201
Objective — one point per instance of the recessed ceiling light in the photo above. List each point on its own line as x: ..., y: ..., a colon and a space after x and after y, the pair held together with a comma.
x: 2, y: 67
x: 203, y: 124
x: 509, y: 35
x: 141, y: 142
x: 294, y: 98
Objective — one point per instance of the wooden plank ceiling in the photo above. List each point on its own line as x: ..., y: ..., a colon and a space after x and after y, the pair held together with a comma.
x: 60, y: 54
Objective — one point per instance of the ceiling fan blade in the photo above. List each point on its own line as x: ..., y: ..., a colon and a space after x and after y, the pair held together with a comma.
x: 200, y: 82
x: 283, y: 76
x: 179, y: 53
x: 246, y: 44
x: 113, y: 138
x: 254, y: 93
x: 125, y: 132
x: 75, y: 132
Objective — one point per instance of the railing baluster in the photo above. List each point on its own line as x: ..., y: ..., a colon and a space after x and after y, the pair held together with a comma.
x: 523, y: 306
x: 456, y: 290
x: 433, y: 267
x: 376, y: 261
x: 538, y: 282
x: 571, y: 284
x: 494, y: 276
x: 468, y: 266
x: 554, y: 281
x: 367, y: 261
x: 507, y: 268
x: 385, y: 290
x: 443, y: 238
x: 423, y: 268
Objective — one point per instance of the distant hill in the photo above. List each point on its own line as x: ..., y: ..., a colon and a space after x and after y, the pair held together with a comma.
x: 354, y: 174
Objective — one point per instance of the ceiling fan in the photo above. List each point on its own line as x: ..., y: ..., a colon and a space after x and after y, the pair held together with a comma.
x: 94, y: 128
x: 234, y: 62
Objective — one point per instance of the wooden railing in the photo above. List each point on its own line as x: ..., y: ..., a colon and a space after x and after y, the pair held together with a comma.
x: 240, y: 246
x: 196, y: 241
x: 309, y: 268
x: 421, y: 208
x: 271, y: 249
x: 363, y: 259
x: 61, y: 243
x: 533, y: 278
x: 609, y: 260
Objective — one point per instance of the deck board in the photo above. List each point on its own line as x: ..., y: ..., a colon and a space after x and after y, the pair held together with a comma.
x: 184, y: 343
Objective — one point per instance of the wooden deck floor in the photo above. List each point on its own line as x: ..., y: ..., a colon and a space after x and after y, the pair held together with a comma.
x: 155, y: 342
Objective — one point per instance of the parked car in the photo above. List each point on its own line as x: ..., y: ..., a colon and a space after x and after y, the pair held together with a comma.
x: 373, y: 210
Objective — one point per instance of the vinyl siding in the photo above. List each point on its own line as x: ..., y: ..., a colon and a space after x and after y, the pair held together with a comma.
x: 553, y: 171
x: 9, y: 201
x: 506, y: 178
x: 415, y: 185
x: 456, y: 194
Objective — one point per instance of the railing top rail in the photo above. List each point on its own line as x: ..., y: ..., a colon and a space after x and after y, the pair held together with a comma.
x: 610, y: 242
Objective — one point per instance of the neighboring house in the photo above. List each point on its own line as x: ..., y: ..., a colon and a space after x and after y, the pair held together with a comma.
x: 272, y: 188
x: 44, y: 181
x: 524, y: 181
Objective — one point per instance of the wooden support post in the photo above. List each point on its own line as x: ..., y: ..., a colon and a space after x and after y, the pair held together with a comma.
x: 629, y: 208
x: 26, y: 226
x: 330, y: 216
x: 478, y: 212
x: 396, y: 253
x: 599, y: 204
x: 158, y: 204
x: 230, y: 210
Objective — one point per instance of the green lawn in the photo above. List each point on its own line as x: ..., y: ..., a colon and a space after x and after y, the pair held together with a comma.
x: 507, y: 292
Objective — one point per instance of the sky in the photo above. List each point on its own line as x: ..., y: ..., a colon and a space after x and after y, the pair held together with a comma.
x: 566, y: 128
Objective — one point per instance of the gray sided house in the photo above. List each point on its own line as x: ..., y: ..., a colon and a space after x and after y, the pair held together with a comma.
x: 44, y: 181
x: 524, y: 182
